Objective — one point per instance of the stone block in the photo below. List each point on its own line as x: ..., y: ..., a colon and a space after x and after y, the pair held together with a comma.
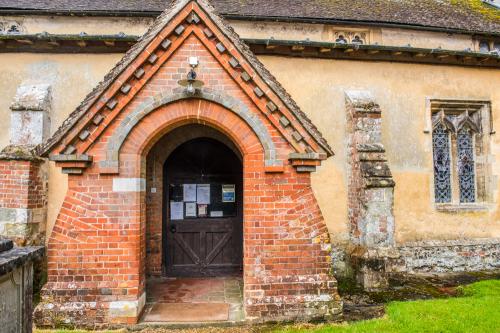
x: 179, y: 30
x: 221, y: 48
x: 129, y: 185
x: 32, y: 97
x: 258, y: 92
x: 30, y: 116
x: 29, y: 127
x: 246, y: 77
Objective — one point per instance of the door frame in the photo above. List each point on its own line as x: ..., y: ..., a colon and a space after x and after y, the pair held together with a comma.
x: 237, y: 222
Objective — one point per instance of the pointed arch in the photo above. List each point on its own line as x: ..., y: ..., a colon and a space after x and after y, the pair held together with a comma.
x: 151, y: 104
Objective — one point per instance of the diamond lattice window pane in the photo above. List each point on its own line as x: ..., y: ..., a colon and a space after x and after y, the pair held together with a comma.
x: 442, y: 165
x: 466, y: 178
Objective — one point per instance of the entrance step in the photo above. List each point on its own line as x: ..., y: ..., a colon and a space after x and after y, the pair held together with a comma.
x: 187, y: 312
x: 194, y: 300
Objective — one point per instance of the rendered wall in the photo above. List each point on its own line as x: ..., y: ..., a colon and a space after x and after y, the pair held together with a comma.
x: 318, y: 86
x: 402, y: 91
x: 249, y: 29
x: 72, y: 77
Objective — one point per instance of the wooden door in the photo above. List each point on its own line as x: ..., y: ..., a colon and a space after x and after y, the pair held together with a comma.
x: 203, y: 245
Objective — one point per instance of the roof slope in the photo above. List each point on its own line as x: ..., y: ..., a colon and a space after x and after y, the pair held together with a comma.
x: 467, y: 15
x: 162, y: 21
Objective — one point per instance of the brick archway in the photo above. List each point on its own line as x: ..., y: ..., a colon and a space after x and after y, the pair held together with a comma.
x: 155, y: 165
x: 160, y: 121
x: 151, y: 104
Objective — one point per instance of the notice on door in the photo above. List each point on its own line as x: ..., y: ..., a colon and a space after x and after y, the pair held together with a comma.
x: 228, y: 193
x: 176, y: 210
x: 190, y: 209
x: 189, y: 193
x: 203, y: 194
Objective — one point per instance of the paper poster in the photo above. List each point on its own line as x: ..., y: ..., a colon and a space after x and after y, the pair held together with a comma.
x: 176, y: 210
x: 190, y: 209
x: 216, y: 213
x: 189, y: 192
x: 202, y: 210
x: 203, y: 194
x: 228, y: 193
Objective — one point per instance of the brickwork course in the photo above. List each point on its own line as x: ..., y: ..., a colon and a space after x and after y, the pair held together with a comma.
x: 99, y: 249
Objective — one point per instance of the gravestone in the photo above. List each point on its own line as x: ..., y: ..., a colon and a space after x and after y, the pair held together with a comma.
x: 16, y: 286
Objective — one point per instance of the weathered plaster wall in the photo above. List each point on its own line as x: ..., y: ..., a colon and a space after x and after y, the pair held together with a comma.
x: 425, y: 39
x: 72, y: 77
x: 401, y: 90
x: 76, y: 25
x: 247, y: 29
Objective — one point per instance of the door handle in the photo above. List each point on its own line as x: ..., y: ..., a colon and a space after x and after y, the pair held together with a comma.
x: 173, y: 229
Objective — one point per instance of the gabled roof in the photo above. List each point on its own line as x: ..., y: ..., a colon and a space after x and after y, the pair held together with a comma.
x: 96, y: 96
x: 460, y: 15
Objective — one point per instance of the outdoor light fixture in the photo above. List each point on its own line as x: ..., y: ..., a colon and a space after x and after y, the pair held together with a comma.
x: 191, y: 83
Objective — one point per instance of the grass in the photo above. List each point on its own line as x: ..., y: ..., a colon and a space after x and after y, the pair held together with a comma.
x: 476, y: 311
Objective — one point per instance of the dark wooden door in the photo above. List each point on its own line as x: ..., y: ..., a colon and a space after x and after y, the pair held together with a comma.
x: 203, y: 245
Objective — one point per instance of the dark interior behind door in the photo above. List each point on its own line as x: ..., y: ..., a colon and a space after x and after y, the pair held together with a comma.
x: 203, y: 245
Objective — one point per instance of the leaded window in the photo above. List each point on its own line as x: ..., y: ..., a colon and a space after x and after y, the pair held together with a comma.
x: 455, y: 147
x: 442, y: 167
x: 465, y: 167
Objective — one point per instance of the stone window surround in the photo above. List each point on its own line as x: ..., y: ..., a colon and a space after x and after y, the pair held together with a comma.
x: 492, y: 43
x: 490, y: 195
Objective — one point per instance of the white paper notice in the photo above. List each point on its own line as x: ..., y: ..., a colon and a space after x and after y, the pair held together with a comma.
x: 190, y: 192
x: 190, y: 209
x: 216, y: 213
x: 176, y: 210
x: 203, y: 194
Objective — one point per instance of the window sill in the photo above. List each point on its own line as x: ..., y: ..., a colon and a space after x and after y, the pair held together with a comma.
x: 462, y: 208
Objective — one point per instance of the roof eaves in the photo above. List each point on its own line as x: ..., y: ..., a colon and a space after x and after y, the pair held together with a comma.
x: 233, y: 16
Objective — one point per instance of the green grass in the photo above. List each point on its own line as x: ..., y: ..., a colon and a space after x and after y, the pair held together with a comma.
x: 478, y: 310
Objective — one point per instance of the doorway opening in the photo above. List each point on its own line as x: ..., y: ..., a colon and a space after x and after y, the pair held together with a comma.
x: 203, y: 211
x: 201, y: 189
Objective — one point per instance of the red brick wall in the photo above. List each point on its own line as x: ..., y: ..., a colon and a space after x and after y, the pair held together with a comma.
x: 21, y: 184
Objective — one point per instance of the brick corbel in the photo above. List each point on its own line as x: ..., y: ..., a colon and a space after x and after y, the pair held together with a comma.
x: 73, y: 164
x: 306, y: 162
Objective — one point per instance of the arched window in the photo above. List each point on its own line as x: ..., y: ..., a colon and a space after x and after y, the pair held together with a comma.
x: 457, y: 137
x: 341, y: 40
x: 484, y: 46
x: 442, y: 164
x: 465, y: 166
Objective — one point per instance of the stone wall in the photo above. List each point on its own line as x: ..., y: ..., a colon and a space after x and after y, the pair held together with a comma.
x: 16, y: 286
x: 371, y: 187
x: 447, y: 256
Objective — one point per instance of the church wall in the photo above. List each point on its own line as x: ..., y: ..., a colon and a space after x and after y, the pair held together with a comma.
x: 250, y: 29
x: 401, y: 90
